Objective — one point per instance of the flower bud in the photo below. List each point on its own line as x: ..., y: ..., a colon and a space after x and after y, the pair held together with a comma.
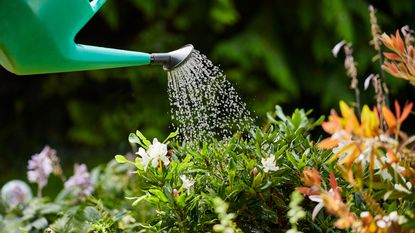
x: 255, y: 171
x: 175, y: 193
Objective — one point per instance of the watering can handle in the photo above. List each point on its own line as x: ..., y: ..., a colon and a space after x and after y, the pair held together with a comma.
x: 96, y: 4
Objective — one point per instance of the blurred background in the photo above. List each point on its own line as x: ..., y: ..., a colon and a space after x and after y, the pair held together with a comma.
x: 274, y: 52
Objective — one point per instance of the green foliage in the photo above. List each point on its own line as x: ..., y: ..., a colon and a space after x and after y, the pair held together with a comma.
x: 187, y: 192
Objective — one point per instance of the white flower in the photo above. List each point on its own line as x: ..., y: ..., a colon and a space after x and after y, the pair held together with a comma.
x: 364, y: 214
x: 403, y: 189
x: 389, y: 140
x: 145, y: 159
x: 155, y: 152
x: 157, y: 149
x: 318, y: 207
x: 187, y: 183
x: 386, y: 221
x: 368, y: 80
x: 335, y: 51
x: 269, y: 164
x: 381, y: 223
x: 395, y: 217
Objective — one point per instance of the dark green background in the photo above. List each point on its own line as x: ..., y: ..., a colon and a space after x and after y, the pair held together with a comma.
x: 274, y: 52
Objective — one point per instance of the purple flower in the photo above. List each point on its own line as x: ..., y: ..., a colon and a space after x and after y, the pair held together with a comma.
x: 15, y: 192
x: 80, y: 182
x: 40, y: 167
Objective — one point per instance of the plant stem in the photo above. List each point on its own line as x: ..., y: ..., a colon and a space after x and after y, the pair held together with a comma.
x: 357, y: 96
x: 39, y: 191
x: 382, y: 79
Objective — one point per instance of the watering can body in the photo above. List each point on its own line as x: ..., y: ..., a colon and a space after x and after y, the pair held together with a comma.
x: 37, y: 36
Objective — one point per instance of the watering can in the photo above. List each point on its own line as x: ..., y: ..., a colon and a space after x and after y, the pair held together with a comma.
x: 38, y: 36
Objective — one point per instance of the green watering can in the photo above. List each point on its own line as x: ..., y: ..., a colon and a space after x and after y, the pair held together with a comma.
x: 37, y: 36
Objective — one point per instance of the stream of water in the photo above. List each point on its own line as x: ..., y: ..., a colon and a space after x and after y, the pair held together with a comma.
x: 204, y: 104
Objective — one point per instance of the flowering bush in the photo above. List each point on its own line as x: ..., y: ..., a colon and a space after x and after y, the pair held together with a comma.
x: 254, y: 174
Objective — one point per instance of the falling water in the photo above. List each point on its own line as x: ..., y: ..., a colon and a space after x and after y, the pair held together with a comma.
x: 204, y: 104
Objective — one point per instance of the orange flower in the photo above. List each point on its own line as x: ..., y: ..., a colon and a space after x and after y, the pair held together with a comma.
x: 394, y: 43
x: 347, y: 129
x: 334, y: 205
x: 401, y: 62
x: 351, y: 138
x: 368, y: 127
x: 311, y: 177
x: 394, y: 121
x: 370, y: 122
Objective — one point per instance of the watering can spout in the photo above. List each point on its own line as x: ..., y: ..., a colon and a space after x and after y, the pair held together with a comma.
x: 38, y: 37
x: 86, y: 57
x: 172, y: 59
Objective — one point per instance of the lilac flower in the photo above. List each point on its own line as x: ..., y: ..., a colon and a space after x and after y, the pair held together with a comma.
x: 40, y: 167
x: 15, y: 193
x: 80, y: 181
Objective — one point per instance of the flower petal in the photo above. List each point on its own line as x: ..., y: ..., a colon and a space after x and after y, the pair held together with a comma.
x: 407, y: 109
x: 389, y: 117
x: 315, y: 198
x: 392, y: 56
x: 316, y: 210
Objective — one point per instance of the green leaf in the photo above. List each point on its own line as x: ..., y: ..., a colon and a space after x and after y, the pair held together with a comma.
x: 50, y: 208
x: 91, y: 214
x: 132, y: 138
x: 137, y: 200
x: 291, y: 158
x: 40, y: 223
x: 159, y: 194
x: 266, y: 185
x: 144, y: 139
x: 302, y: 163
x: 280, y: 151
x: 171, y: 135
x: 280, y: 113
x: 257, y: 180
x: 121, y: 159
x: 181, y: 200
x: 271, y: 118
x: 224, y: 13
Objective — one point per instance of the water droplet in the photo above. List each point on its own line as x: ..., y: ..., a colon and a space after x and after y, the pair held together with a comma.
x: 204, y: 103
